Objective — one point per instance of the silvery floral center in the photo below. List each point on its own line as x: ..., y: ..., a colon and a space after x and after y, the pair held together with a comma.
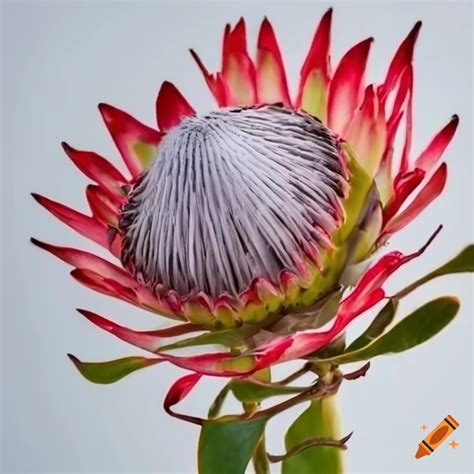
x: 233, y: 195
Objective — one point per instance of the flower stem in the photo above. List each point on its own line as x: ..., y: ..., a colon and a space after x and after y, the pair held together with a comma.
x: 320, y: 419
x: 260, y: 459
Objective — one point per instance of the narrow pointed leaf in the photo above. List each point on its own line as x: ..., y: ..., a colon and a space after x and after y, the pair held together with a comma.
x: 254, y: 392
x: 415, y: 329
x: 461, y: 263
x: 377, y: 326
x: 113, y: 370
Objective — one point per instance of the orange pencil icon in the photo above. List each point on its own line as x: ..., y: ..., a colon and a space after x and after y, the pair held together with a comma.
x: 436, y: 437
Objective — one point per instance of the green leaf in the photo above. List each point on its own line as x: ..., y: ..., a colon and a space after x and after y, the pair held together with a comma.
x: 226, y: 444
x: 377, y: 326
x: 226, y: 337
x: 415, y: 329
x: 113, y: 370
x: 216, y: 405
x: 251, y: 392
x: 320, y: 419
x: 259, y: 387
x: 461, y: 263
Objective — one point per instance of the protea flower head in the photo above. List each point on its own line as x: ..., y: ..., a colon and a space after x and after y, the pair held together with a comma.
x: 244, y: 222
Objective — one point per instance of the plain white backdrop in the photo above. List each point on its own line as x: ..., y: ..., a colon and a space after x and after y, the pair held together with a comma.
x: 62, y: 58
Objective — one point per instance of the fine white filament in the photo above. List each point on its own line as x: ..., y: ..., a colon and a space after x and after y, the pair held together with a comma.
x: 233, y: 195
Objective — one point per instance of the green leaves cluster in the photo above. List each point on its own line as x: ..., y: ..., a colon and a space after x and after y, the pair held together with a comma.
x: 317, y: 420
x: 226, y: 444
x: 415, y: 329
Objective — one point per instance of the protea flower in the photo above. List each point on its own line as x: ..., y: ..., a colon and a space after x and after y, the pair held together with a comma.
x: 249, y: 224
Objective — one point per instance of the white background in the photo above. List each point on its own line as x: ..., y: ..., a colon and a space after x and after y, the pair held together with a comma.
x: 61, y: 59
